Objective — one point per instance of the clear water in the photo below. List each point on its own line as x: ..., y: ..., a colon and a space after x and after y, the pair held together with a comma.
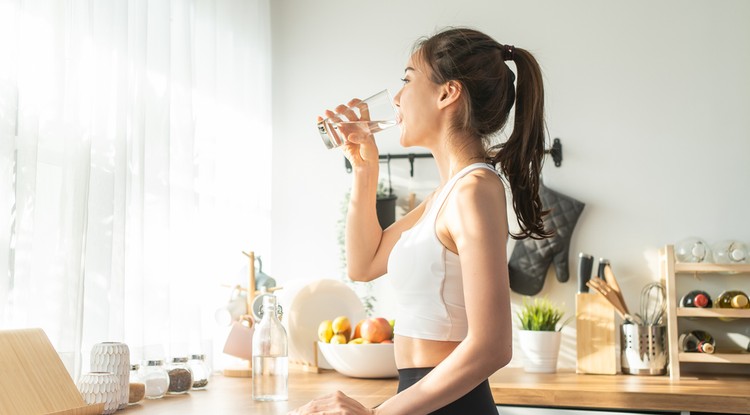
x: 338, y: 131
x: 270, y: 378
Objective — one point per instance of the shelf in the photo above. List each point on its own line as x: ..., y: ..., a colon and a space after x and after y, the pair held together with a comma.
x: 702, y: 268
x: 670, y: 272
x: 713, y: 312
x: 743, y: 358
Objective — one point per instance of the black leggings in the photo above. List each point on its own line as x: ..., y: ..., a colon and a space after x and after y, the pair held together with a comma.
x: 478, y: 401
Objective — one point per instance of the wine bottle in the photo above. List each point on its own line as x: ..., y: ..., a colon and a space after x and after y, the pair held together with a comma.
x: 697, y: 341
x: 696, y: 298
x: 732, y: 299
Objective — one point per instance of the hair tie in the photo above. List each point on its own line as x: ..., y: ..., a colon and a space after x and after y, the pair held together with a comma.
x: 509, y: 52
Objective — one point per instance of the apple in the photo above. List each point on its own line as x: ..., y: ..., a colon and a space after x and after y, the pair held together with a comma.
x: 376, y: 329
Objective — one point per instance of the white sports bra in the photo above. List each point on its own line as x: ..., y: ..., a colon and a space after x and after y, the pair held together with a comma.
x: 427, y: 278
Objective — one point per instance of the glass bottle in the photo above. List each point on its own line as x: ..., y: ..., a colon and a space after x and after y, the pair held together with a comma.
x: 154, y: 376
x: 730, y: 252
x: 696, y: 298
x: 697, y: 341
x: 180, y: 376
x: 199, y: 368
x: 732, y: 299
x: 692, y: 250
x: 270, y: 355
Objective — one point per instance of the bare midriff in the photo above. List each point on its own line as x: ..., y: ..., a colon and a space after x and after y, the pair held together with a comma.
x: 413, y: 353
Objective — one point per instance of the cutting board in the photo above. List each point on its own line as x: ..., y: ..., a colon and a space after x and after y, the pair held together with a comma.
x: 33, y: 379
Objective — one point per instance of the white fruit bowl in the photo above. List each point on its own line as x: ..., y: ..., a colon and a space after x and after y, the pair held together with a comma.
x: 374, y: 360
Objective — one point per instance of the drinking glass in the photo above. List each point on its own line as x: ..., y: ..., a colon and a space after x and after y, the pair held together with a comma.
x: 373, y: 114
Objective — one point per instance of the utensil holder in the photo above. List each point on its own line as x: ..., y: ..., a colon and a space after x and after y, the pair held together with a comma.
x: 644, y: 349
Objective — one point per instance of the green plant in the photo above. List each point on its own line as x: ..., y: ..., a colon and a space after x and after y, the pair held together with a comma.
x: 540, y: 315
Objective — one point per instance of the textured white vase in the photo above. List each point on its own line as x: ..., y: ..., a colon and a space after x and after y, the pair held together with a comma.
x: 541, y: 349
x: 101, y: 387
x: 113, y: 357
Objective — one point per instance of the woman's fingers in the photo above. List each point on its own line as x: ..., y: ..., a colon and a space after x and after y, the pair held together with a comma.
x: 335, y: 403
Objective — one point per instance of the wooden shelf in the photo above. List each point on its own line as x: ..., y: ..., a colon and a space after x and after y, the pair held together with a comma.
x: 703, y: 268
x: 712, y: 312
x: 742, y: 358
x: 670, y: 271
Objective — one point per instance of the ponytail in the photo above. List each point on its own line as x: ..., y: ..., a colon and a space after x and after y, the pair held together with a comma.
x: 520, y: 157
x: 478, y: 62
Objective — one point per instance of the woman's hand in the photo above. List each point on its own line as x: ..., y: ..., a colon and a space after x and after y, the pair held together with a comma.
x: 359, y: 147
x: 335, y: 403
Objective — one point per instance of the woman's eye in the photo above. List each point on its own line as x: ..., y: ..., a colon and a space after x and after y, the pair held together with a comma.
x: 404, y: 80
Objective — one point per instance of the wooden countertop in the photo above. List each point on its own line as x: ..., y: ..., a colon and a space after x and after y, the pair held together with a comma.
x: 510, y: 386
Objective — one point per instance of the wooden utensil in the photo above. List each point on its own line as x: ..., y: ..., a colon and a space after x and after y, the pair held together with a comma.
x: 609, y: 276
x: 604, y: 289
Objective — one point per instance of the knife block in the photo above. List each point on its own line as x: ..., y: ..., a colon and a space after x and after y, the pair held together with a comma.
x: 596, y: 335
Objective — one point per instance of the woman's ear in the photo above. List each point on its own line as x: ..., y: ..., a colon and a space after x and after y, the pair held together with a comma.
x: 449, y: 93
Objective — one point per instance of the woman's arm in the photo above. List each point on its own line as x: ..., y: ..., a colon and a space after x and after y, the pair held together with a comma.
x: 367, y: 245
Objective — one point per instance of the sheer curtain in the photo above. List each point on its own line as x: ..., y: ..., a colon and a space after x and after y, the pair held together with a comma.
x: 134, y: 160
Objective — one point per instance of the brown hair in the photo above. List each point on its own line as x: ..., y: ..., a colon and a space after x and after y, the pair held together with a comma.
x: 477, y: 62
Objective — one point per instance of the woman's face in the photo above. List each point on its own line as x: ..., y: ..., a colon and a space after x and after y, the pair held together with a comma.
x: 417, y: 103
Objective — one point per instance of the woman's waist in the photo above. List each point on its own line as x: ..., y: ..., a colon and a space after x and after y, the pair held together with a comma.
x: 419, y: 353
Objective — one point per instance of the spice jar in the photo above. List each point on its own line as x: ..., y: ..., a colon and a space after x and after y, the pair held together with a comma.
x: 154, y: 376
x: 201, y: 373
x: 137, y: 388
x: 180, y: 376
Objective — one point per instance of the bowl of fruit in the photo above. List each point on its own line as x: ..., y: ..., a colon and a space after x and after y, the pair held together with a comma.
x: 366, y: 351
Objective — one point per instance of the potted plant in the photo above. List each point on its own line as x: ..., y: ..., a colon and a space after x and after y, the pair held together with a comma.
x: 539, y: 334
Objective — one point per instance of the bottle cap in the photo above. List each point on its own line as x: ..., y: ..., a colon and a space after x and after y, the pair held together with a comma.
x: 179, y: 360
x: 739, y: 301
x: 154, y: 362
x: 700, y: 300
x: 705, y: 347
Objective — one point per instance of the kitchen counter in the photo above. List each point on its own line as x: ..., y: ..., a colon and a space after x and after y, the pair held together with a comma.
x: 510, y: 386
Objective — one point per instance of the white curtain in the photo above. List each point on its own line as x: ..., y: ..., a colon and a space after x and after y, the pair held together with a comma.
x: 134, y: 158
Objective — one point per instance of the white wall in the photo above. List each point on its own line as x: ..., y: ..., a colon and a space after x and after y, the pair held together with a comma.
x: 650, y: 100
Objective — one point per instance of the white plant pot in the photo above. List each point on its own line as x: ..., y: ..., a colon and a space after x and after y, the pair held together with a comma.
x: 101, y: 387
x: 114, y: 358
x: 541, y: 349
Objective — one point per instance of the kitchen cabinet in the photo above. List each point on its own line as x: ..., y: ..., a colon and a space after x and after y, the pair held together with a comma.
x: 717, y: 321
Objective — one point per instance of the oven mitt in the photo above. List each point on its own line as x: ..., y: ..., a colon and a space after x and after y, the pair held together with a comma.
x: 531, y: 258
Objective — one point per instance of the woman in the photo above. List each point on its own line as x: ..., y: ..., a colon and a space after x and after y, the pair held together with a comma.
x: 447, y: 257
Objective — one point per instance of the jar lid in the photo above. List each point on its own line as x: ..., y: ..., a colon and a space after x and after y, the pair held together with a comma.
x: 154, y: 362
x: 198, y: 357
x: 179, y: 360
x: 135, y: 366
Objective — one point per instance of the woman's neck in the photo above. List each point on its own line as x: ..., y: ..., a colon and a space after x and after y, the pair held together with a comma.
x: 451, y: 158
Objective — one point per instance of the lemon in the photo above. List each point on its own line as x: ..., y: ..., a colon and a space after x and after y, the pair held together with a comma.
x: 325, y: 331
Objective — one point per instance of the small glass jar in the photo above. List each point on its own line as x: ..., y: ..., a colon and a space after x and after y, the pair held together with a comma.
x: 154, y: 375
x: 137, y: 388
x: 180, y: 376
x: 199, y: 368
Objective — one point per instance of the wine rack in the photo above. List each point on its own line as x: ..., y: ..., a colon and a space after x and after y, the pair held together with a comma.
x: 670, y: 271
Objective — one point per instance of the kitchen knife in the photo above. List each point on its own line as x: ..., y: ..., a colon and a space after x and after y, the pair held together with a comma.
x: 603, y: 263
x: 585, y: 266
